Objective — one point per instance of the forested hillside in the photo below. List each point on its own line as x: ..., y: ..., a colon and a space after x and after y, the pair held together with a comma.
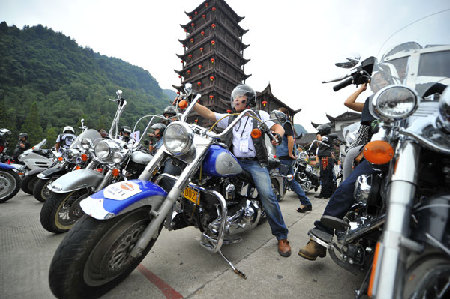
x: 47, y: 82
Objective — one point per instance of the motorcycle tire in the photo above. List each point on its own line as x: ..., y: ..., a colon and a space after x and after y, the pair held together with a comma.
x: 94, y: 258
x: 28, y: 183
x: 428, y: 277
x: 61, y: 211
x: 9, y: 184
x: 41, y: 191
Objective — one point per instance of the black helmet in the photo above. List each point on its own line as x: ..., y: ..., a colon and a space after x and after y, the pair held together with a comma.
x: 21, y: 135
x: 324, y: 129
x: 126, y: 129
x: 160, y: 127
x: 244, y: 90
x: 170, y: 111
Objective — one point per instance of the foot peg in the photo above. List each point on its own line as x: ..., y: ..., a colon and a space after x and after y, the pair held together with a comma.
x: 334, y: 223
x: 321, y: 237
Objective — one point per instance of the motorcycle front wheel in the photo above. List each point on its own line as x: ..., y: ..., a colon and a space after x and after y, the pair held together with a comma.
x: 9, y: 184
x: 41, y: 191
x: 94, y: 257
x: 62, y: 210
x: 428, y: 277
x: 28, y: 183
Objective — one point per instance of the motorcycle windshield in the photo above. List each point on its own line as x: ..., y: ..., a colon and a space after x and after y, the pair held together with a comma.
x: 417, y: 55
x: 91, y: 135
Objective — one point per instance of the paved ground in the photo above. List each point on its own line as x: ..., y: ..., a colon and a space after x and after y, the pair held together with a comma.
x: 177, y: 267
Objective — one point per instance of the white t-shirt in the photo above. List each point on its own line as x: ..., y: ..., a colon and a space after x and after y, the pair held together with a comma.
x: 242, y: 141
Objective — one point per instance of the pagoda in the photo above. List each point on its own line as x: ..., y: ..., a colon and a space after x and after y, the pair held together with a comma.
x: 213, y: 57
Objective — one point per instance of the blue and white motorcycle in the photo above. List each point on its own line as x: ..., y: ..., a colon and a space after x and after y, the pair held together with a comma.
x: 207, y: 188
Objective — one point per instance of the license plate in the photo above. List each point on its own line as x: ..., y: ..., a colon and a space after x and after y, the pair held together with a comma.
x: 192, y: 195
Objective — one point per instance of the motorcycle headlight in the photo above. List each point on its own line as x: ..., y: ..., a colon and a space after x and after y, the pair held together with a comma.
x: 178, y: 138
x: 394, y: 102
x: 105, y: 150
x: 85, y: 144
x: 117, y: 157
x: 444, y: 110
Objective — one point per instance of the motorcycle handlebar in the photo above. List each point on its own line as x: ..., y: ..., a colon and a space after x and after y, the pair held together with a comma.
x: 343, y: 84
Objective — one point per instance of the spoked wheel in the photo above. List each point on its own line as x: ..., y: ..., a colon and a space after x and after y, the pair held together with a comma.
x: 428, y: 277
x: 41, y: 191
x: 9, y: 184
x: 95, y: 255
x: 61, y: 210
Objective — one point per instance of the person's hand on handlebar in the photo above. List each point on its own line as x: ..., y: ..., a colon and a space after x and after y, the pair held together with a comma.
x: 277, y: 140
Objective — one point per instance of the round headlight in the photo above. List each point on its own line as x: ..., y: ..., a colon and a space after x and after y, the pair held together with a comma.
x: 394, y: 102
x: 102, y: 150
x: 117, y: 157
x: 178, y: 138
x: 85, y: 143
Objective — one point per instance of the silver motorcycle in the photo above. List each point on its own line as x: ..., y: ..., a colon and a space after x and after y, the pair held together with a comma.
x: 123, y: 221
x: 396, y: 233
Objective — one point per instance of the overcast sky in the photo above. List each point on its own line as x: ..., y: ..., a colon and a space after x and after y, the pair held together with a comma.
x: 293, y: 44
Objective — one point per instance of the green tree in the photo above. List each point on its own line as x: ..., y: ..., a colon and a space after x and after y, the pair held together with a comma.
x: 32, y: 125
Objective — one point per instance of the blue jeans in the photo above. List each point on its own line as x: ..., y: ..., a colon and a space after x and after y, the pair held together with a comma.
x: 269, y: 201
x: 295, y: 186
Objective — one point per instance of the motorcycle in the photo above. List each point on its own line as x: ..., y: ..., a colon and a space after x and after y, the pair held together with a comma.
x: 35, y: 160
x: 304, y: 174
x: 73, y: 158
x: 122, y: 222
x: 397, y: 232
x: 9, y: 182
x: 113, y: 161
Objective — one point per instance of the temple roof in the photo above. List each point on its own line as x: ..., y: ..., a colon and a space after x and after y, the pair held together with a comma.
x: 345, y: 116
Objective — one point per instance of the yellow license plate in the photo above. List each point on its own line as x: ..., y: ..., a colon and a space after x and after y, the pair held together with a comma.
x: 192, y: 195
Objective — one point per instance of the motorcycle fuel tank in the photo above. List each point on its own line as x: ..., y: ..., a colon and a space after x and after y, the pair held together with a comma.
x: 220, y: 162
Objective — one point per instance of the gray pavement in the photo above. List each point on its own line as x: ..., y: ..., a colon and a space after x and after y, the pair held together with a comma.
x: 177, y: 266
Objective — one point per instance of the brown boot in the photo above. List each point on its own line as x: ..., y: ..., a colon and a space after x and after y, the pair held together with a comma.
x: 312, y: 250
x: 283, y: 248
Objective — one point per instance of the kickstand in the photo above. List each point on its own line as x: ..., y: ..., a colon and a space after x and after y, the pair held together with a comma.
x: 238, y: 272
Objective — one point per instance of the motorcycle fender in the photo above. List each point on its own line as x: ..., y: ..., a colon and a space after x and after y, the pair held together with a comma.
x: 433, y: 218
x: 6, y: 166
x: 75, y: 180
x: 122, y: 197
x: 48, y: 173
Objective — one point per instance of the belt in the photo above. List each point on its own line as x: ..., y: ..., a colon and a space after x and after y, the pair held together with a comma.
x: 248, y: 158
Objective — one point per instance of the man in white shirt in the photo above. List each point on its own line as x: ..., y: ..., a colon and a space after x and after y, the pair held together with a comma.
x: 252, y: 156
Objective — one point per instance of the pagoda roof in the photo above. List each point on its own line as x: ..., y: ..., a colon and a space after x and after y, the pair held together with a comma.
x: 349, y: 115
x: 212, y: 3
x: 268, y: 91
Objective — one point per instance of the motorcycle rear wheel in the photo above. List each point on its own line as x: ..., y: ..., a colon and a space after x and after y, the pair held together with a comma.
x: 428, y: 277
x: 41, y: 191
x: 9, y: 184
x: 94, y: 256
x: 62, y: 210
x: 28, y: 183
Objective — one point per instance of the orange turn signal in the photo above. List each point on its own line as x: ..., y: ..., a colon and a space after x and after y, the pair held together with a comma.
x: 60, y: 158
x: 77, y: 167
x: 84, y: 157
x: 183, y: 104
x: 374, y: 270
x: 378, y: 152
x: 115, y: 172
x: 256, y: 133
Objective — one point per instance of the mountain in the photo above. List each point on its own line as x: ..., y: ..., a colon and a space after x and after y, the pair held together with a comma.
x: 47, y: 81
x: 171, y: 94
x: 299, y: 129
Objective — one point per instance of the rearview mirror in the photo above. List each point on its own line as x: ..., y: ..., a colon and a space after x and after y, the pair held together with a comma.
x: 350, y: 61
